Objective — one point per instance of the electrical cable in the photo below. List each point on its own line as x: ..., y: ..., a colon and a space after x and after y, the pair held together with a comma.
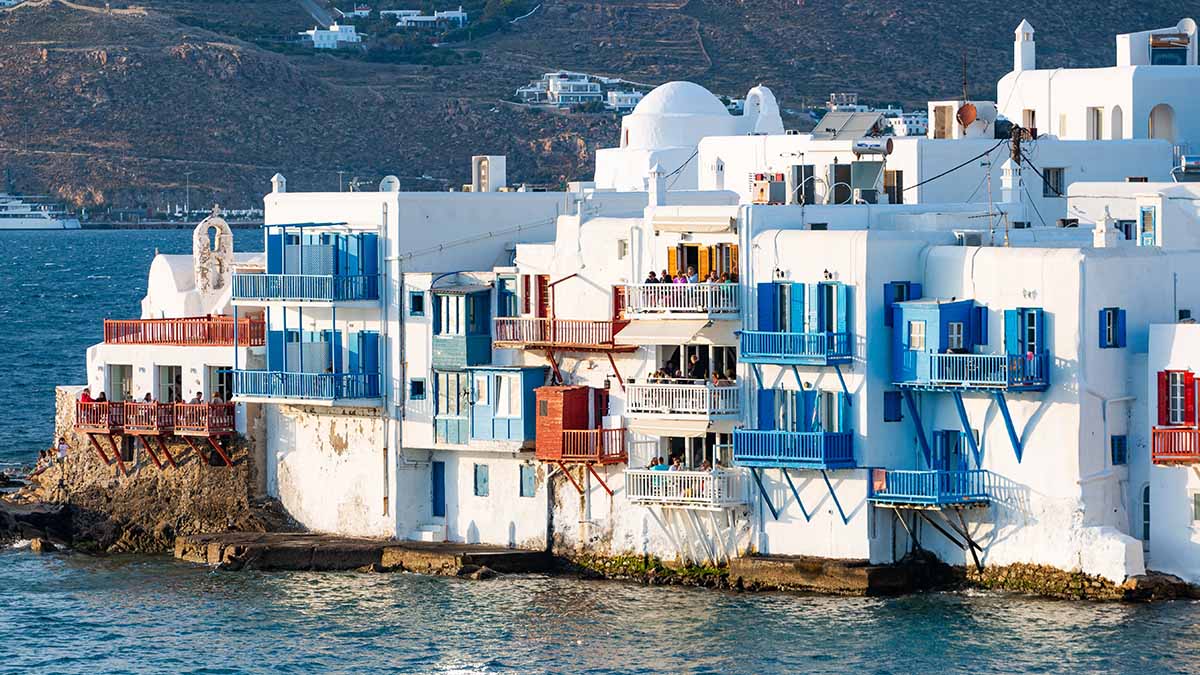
x: 956, y: 168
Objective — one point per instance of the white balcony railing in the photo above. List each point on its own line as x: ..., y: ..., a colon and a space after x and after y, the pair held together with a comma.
x: 681, y: 298
x: 682, y: 398
x: 692, y: 489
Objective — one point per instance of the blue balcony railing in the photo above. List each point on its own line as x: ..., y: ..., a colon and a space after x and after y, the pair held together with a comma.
x: 793, y: 449
x: 1018, y: 372
x: 931, y: 488
x: 306, y: 287
x: 813, y: 349
x: 313, y: 386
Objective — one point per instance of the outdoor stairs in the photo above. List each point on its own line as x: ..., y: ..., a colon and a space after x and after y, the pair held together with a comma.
x: 433, y: 532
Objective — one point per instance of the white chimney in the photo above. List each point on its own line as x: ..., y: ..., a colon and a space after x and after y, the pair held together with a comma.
x: 1024, y: 48
x: 278, y: 183
x: 658, y: 187
x: 1104, y: 234
x: 1011, y: 185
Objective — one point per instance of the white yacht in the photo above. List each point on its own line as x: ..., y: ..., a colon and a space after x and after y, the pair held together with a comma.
x: 33, y: 213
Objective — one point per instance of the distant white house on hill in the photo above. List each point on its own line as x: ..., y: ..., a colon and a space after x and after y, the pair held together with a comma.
x: 414, y: 18
x: 334, y: 37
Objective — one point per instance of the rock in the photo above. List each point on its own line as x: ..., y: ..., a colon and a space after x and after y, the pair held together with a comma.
x: 373, y: 568
x: 42, y: 545
x: 482, y: 573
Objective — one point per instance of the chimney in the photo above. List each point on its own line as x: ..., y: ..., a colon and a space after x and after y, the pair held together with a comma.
x: 278, y: 183
x: 1011, y: 182
x: 658, y: 187
x: 1024, y: 48
x: 1104, y: 234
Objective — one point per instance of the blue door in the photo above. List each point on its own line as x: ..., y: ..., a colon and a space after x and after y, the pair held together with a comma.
x: 439, y: 489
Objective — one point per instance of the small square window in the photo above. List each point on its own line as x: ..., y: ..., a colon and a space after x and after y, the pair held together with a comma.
x: 416, y: 303
x: 1052, y: 182
x: 891, y: 407
x: 416, y: 389
x: 543, y: 408
x: 1195, y: 507
x: 528, y: 480
x: 954, y: 335
x: 481, y: 480
x: 1112, y: 328
x: 916, y: 335
x: 1120, y: 450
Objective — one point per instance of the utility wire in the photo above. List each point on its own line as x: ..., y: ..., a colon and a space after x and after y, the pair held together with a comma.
x: 956, y: 168
x: 1039, y: 173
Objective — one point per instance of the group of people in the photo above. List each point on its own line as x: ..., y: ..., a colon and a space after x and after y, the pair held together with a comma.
x: 86, y: 397
x: 50, y: 456
x: 697, y: 371
x: 691, y: 277
x: 675, y: 464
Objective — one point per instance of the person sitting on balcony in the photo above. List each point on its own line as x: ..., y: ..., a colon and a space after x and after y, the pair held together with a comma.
x: 664, y: 278
x: 692, y: 277
x: 197, y: 399
x: 147, y: 398
x: 705, y: 466
x: 216, y: 399
x: 676, y: 464
x: 696, y: 370
x: 659, y: 465
x: 711, y: 278
x: 653, y: 464
x: 102, y: 398
x: 652, y: 278
x: 86, y: 396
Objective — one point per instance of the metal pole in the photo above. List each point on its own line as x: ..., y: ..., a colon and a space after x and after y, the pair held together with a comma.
x: 187, y: 193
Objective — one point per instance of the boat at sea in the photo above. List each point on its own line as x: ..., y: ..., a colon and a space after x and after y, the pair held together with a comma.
x: 18, y: 212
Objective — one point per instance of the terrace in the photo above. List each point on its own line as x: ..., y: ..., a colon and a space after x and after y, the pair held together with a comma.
x: 682, y: 398
x: 591, y: 446
x: 651, y: 301
x: 542, y: 333
x: 702, y: 490
x: 305, y: 287
x: 770, y: 449
x: 990, y: 372
x: 1175, y: 447
x: 201, y: 331
x: 323, y: 387
x: 798, y: 349
x: 932, y: 488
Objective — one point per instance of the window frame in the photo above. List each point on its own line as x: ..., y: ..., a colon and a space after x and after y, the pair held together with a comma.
x: 415, y: 298
x: 412, y: 394
x: 955, y: 332
x: 531, y: 471
x: 1119, y: 449
x: 899, y: 406
x: 1054, y: 181
x: 482, y: 488
x: 913, y: 335
x: 1176, y: 395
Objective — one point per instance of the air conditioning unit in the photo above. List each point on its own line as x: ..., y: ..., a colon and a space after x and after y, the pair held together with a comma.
x: 1068, y: 222
x: 1185, y: 316
x: 969, y: 238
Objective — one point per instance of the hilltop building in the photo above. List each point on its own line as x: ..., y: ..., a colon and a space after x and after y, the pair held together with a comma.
x: 334, y: 37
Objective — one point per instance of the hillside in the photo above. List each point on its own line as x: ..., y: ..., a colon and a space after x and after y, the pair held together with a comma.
x: 112, y: 108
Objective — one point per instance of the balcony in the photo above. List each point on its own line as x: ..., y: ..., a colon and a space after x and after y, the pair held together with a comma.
x: 200, y: 331
x: 306, y: 287
x: 155, y: 419
x: 648, y: 301
x: 793, y: 449
x: 704, y: 490
x: 99, y: 417
x: 992, y: 372
x: 794, y: 349
x: 204, y: 419
x: 578, y: 334
x: 587, y: 446
x: 325, y: 387
x: 1175, y: 446
x: 682, y: 399
x: 931, y: 489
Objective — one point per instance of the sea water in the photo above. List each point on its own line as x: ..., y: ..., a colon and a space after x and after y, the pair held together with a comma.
x: 130, y: 614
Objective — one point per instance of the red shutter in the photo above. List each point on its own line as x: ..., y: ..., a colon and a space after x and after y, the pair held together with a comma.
x: 1163, y: 400
x: 1189, y: 399
x: 525, y: 294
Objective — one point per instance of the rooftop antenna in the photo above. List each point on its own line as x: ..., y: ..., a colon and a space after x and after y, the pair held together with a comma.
x: 967, y: 112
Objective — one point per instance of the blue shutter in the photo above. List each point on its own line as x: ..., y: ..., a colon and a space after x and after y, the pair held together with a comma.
x: 355, y: 365
x: 275, y: 253
x: 914, y: 291
x: 1012, y: 332
x: 889, y: 297
x: 766, y: 409
x: 843, y: 412
x: 891, y: 407
x: 336, y: 346
x: 939, y: 450
x: 370, y: 351
x: 275, y: 350
x: 812, y: 305
x: 1101, y: 334
x: 797, y: 309
x: 349, y: 244
x: 979, y: 325
x: 1120, y: 328
x: 811, y: 406
x: 370, y: 253
x: 1041, y: 328
x: 767, y: 304
x: 843, y: 308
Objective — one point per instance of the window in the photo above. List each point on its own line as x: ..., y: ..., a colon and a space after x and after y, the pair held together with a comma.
x: 543, y: 408
x: 481, y: 480
x: 1095, y: 117
x: 481, y: 390
x: 1146, y: 512
x: 1052, y: 182
x: 416, y: 389
x: 891, y: 407
x: 1127, y: 228
x: 954, y: 339
x: 416, y: 303
x: 528, y: 480
x: 1120, y: 450
x: 1146, y: 229
x: 897, y: 291
x: 1029, y: 118
x: 916, y: 335
x: 508, y: 395
x: 1112, y: 328
x: 450, y: 312
x: 1195, y: 506
x: 622, y: 248
x: 1177, y: 397
x: 506, y: 296
x: 893, y: 185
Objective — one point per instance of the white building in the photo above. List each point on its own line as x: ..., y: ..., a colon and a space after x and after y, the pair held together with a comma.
x: 623, y: 100
x: 454, y: 18
x: 334, y: 37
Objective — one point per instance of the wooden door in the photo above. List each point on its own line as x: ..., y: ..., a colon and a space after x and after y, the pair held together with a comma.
x: 543, y: 286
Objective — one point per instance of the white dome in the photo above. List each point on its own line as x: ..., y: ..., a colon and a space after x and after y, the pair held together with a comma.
x: 680, y: 98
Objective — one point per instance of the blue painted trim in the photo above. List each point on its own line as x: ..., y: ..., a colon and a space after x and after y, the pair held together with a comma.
x: 846, y: 390
x: 799, y: 382
x: 1008, y: 423
x: 912, y: 410
x: 796, y: 494
x: 966, y: 425
x: 763, y: 491
x: 757, y: 375
x: 838, y: 503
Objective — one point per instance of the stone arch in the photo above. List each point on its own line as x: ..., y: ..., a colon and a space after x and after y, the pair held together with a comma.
x: 1162, y: 122
x: 1117, y: 124
x: 212, y: 253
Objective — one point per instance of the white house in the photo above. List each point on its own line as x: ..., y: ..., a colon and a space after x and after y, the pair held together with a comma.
x: 334, y: 37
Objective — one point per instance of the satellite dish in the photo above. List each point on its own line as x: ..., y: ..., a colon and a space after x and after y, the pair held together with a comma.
x: 389, y: 184
x: 967, y: 114
x: 1187, y: 25
x: 987, y: 113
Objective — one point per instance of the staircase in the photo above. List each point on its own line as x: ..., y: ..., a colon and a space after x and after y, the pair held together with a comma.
x: 433, y: 532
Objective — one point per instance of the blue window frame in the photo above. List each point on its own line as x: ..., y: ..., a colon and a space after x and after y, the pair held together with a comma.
x: 898, y: 291
x: 416, y: 389
x: 1112, y: 328
x: 481, y: 480
x: 1120, y: 450
x: 528, y: 480
x: 416, y: 303
x: 892, y: 411
x: 506, y: 296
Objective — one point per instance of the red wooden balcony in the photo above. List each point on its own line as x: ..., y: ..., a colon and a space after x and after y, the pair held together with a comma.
x: 591, y: 446
x: 198, y: 331
x: 99, y: 417
x: 149, y: 418
x: 204, y: 419
x: 577, y: 334
x: 1175, y: 446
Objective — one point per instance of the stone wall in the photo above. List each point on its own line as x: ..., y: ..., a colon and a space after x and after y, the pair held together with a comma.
x: 143, y: 508
x: 1051, y: 582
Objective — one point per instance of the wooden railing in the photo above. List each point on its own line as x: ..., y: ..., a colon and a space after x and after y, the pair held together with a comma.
x: 799, y: 348
x: 556, y: 332
x: 317, y: 386
x: 310, y: 287
x: 602, y: 446
x: 204, y: 418
x: 150, y: 418
x: 199, y: 331
x: 813, y: 449
x: 681, y: 298
x: 694, y: 489
x: 682, y: 399
x: 99, y: 416
x: 1175, y: 446
x: 931, y: 488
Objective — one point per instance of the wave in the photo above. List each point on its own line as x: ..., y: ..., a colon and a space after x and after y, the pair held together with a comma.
x: 21, y: 543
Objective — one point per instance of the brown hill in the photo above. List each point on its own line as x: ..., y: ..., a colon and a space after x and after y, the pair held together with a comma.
x: 113, y: 107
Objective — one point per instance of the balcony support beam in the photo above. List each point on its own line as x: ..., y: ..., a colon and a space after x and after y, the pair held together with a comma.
x: 754, y: 472
x: 916, y: 415
x: 966, y: 425
x: 799, y: 382
x: 836, y: 501
x: 845, y: 390
x: 592, y: 470
x: 162, y: 444
x: 1008, y: 424
x: 112, y: 441
x: 570, y: 477
x: 796, y: 493
x: 621, y: 381
x: 757, y: 374
x: 558, y: 377
x: 150, y: 451
x: 220, y: 451
x: 196, y: 449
